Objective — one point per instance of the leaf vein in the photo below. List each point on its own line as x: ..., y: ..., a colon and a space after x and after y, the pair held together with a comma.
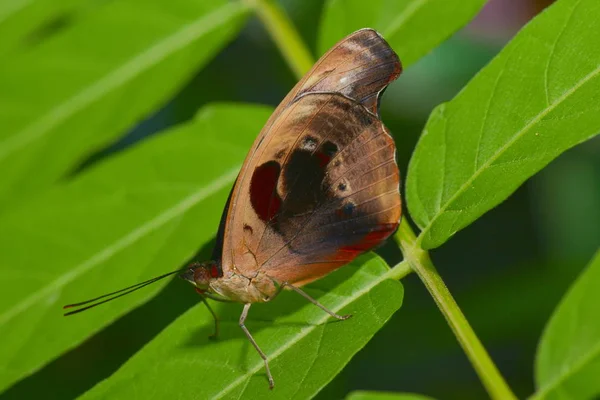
x: 408, y: 12
x: 553, y: 51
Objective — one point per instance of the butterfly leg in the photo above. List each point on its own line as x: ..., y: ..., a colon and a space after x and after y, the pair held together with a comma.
x: 260, y: 352
x: 316, y: 303
x: 215, y: 317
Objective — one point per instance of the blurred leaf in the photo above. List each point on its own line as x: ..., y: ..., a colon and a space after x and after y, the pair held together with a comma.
x: 567, y: 204
x: 141, y: 213
x: 568, y: 359
x: 360, y: 395
x: 412, y: 27
x: 20, y: 18
x: 305, y: 347
x: 537, y: 98
x: 81, y: 89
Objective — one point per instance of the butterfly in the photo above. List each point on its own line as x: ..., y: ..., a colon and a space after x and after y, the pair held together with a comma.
x: 319, y: 186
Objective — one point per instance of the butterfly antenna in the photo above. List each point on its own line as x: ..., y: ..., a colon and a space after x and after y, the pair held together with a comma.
x: 117, y: 294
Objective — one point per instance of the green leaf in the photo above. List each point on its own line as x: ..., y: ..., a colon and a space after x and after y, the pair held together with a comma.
x: 412, y: 27
x: 305, y: 347
x: 568, y: 360
x: 536, y: 99
x: 139, y: 214
x: 364, y: 395
x: 21, y: 18
x: 82, y: 88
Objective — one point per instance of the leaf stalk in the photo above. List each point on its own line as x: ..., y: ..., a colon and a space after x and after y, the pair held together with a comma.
x: 284, y: 34
x: 421, y: 263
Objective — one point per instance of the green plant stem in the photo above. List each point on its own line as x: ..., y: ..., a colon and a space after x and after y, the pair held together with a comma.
x: 399, y: 271
x: 298, y: 57
x: 284, y: 34
x: 421, y: 263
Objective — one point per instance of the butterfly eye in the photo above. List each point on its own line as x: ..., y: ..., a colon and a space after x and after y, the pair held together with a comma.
x: 199, y: 276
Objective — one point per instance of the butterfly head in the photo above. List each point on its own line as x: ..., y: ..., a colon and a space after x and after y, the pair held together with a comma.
x: 201, y: 274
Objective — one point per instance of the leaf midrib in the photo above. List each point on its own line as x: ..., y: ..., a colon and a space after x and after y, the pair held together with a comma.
x: 408, y: 12
x: 258, y: 365
x: 505, y: 147
x: 123, y: 242
x: 117, y: 78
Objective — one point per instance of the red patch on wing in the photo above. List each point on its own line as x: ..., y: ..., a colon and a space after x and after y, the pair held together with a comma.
x: 214, y: 271
x: 323, y: 158
x: 263, y: 190
x: 370, y: 240
x: 326, y: 153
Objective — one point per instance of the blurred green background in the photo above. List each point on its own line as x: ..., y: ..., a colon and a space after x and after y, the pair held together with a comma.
x: 507, y: 271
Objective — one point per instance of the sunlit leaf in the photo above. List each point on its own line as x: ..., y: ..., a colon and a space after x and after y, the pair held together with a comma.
x: 568, y: 359
x: 82, y: 88
x: 539, y: 97
x: 412, y: 27
x: 306, y: 348
x: 137, y: 215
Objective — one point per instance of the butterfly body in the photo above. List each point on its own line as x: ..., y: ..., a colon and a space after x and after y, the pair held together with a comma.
x: 234, y: 287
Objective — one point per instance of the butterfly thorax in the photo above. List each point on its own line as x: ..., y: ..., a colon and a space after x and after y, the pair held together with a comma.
x: 209, y: 280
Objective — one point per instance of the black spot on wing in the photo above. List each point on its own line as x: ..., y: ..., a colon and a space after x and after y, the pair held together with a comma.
x: 329, y: 148
x: 303, y: 175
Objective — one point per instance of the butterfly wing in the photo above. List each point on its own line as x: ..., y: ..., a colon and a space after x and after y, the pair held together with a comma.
x: 320, y: 184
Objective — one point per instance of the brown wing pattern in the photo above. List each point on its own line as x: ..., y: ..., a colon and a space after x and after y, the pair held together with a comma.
x: 369, y: 65
x: 320, y: 184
